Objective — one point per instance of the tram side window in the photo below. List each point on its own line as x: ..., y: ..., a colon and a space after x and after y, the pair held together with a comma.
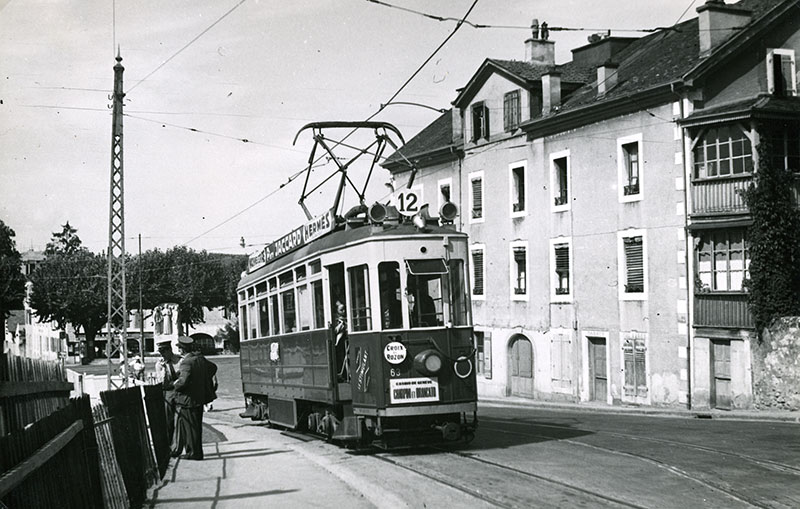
x: 389, y: 281
x: 458, y: 294
x: 263, y: 317
x: 252, y: 320
x: 304, y: 307
x: 243, y: 309
x: 318, y: 304
x: 360, y: 317
x: 289, y: 311
x: 276, y: 317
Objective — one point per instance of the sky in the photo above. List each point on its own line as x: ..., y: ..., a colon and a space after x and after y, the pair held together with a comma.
x: 203, y: 75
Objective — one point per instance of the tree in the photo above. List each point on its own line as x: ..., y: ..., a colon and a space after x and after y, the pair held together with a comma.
x: 774, y: 239
x: 65, y: 242
x: 72, y: 288
x: 191, y: 279
x: 12, y: 282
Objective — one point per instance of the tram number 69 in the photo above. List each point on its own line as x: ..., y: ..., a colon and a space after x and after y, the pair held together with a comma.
x: 408, y: 201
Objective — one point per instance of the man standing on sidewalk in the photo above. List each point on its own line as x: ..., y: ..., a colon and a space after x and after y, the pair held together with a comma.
x: 167, y: 368
x: 193, y: 388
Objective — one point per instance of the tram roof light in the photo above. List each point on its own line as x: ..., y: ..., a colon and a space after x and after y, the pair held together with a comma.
x: 448, y: 212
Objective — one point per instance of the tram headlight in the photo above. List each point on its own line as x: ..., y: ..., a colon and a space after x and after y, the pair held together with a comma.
x: 428, y: 362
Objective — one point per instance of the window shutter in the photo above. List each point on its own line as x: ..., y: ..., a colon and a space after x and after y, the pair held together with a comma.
x: 477, y: 198
x: 507, y: 112
x: 487, y: 355
x: 634, y: 352
x: 634, y: 265
x: 486, y: 122
x: 629, y: 366
x: 639, y: 361
x: 477, y: 272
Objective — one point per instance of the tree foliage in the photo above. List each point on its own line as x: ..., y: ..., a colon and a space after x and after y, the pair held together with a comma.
x: 72, y: 288
x: 64, y: 242
x: 774, y: 240
x: 189, y: 278
x: 12, y: 282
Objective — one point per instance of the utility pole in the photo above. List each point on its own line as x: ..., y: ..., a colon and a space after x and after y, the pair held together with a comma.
x: 117, y: 311
x: 141, y: 310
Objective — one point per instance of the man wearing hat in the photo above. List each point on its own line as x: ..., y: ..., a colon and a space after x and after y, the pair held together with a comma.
x: 192, y: 389
x: 166, y: 373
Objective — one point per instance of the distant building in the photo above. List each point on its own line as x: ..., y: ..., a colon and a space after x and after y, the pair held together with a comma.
x: 601, y: 196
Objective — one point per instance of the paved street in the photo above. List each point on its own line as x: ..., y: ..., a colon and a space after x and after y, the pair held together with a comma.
x: 522, y: 456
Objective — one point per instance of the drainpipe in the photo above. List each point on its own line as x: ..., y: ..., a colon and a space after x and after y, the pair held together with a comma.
x: 688, y: 253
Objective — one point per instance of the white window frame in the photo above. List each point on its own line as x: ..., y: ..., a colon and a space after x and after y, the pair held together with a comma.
x: 512, y: 265
x: 771, y: 52
x: 564, y: 154
x: 441, y: 183
x: 472, y: 249
x: 622, y: 264
x: 474, y: 176
x: 512, y: 191
x: 622, y: 170
x: 554, y: 297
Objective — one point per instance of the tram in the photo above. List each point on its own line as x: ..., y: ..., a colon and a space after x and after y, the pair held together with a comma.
x: 358, y: 327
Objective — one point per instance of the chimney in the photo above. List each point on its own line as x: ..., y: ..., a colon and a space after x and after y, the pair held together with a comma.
x: 457, y: 125
x: 606, y: 77
x: 539, y: 50
x: 551, y: 92
x: 717, y: 22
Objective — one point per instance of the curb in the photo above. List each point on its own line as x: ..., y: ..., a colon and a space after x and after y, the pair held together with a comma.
x: 741, y: 415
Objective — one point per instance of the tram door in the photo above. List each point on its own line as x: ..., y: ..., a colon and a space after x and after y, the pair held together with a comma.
x: 336, y: 281
x: 521, y: 367
x: 721, y: 372
x: 598, y: 378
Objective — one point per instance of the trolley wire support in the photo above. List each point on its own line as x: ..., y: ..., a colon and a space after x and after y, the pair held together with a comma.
x: 382, y: 138
x: 117, y: 341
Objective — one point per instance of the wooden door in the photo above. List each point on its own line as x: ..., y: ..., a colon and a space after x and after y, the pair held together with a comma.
x: 721, y: 374
x: 598, y: 377
x: 521, y: 367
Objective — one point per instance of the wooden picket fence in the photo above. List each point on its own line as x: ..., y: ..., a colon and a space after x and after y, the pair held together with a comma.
x: 30, y: 389
x: 61, y: 452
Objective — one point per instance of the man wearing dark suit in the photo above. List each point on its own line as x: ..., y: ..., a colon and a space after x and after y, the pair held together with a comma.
x: 167, y: 368
x: 191, y: 389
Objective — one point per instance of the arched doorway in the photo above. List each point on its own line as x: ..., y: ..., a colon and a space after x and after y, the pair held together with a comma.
x: 520, y: 366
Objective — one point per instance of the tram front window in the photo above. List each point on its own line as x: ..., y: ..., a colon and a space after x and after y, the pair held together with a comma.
x: 436, y: 292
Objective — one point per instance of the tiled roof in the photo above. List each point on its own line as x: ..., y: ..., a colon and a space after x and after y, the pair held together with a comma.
x: 657, y: 59
x: 438, y: 134
x: 760, y: 106
x: 570, y: 72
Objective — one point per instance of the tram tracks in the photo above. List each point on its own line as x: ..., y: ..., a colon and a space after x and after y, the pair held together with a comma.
x: 764, y: 463
x: 497, y: 499
x: 673, y: 469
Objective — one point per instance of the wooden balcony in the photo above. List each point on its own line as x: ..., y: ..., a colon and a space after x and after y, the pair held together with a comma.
x: 722, y: 309
x: 719, y: 196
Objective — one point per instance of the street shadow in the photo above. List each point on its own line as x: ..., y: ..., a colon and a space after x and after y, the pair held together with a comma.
x: 243, y: 454
x: 216, y: 498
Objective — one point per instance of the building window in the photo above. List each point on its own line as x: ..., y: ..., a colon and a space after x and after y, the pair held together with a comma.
x: 722, y: 152
x: 632, y: 265
x: 561, y: 281
x: 511, y: 111
x: 476, y: 253
x: 483, y: 351
x: 784, y: 145
x: 476, y: 197
x: 781, y: 79
x: 559, y: 180
x: 630, y: 167
x: 480, y: 122
x: 517, y: 190
x: 634, y: 352
x: 723, y: 259
x: 519, y: 270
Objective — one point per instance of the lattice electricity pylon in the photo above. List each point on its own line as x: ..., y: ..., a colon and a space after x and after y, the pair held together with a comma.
x: 117, y: 343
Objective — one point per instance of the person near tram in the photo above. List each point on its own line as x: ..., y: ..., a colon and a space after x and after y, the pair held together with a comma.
x: 193, y: 388
x: 166, y: 371
x: 421, y: 304
x: 341, y: 343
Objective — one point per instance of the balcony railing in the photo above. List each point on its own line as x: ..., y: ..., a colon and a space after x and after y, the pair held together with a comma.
x: 722, y: 309
x: 719, y: 196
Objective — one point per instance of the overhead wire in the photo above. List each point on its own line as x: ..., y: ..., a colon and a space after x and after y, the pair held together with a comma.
x: 380, y: 109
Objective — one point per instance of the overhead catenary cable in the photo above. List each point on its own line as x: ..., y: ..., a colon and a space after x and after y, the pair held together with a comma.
x: 380, y: 109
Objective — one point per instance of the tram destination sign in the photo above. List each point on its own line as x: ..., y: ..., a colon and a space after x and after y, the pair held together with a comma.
x: 297, y: 238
